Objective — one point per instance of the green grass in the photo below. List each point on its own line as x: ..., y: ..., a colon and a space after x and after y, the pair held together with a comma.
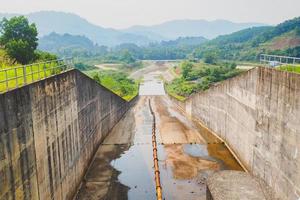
x: 173, y: 93
x: 290, y: 68
x: 117, y: 82
x: 14, y: 77
x: 199, y: 77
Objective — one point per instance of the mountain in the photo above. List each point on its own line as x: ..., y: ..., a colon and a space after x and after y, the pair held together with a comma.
x: 70, y: 45
x: 61, y: 23
x: 184, y: 28
x: 283, y: 39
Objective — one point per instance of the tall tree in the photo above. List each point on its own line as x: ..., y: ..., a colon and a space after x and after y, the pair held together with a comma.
x: 19, y: 38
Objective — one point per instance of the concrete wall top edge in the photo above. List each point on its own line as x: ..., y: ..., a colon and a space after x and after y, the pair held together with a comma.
x: 290, y: 77
x: 54, y: 78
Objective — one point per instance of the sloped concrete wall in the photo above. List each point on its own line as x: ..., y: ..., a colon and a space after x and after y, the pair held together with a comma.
x: 49, y: 131
x: 258, y: 115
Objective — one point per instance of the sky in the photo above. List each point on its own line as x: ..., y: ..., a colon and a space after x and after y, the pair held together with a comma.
x: 125, y: 13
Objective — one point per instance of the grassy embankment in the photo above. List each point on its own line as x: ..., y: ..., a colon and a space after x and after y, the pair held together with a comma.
x: 290, y: 68
x: 195, y: 77
x: 113, y: 78
x: 15, y: 74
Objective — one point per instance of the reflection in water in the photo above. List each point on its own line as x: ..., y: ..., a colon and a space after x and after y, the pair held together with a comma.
x: 187, y: 153
x: 136, y: 170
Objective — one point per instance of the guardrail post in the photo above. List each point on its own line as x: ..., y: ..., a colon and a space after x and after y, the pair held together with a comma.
x: 16, y: 74
x: 32, y: 77
x: 39, y: 77
x: 24, y: 74
x: 6, y: 78
x: 44, y: 68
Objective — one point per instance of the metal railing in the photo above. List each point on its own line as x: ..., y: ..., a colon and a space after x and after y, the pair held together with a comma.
x: 283, y: 63
x: 15, y: 77
x: 280, y: 60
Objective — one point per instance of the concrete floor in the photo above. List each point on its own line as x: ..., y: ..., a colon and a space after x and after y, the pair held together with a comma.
x: 123, y: 165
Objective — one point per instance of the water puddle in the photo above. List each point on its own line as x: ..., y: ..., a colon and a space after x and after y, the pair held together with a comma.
x: 184, y: 169
x: 187, y: 155
x: 136, y: 170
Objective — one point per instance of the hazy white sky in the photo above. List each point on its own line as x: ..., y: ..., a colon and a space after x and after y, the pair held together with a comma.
x: 124, y: 13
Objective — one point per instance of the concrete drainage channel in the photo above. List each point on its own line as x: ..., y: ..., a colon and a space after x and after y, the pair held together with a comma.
x: 154, y: 152
x: 155, y: 157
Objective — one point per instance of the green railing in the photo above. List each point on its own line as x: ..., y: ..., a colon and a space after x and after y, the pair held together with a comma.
x: 15, y: 77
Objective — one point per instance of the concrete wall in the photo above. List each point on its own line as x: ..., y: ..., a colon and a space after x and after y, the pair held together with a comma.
x: 258, y: 115
x: 49, y: 131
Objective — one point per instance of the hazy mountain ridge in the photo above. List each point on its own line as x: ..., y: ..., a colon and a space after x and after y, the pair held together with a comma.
x: 61, y: 23
x: 184, y: 28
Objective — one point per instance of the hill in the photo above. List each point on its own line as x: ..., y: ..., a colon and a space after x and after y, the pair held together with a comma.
x: 70, y: 45
x: 61, y: 23
x: 185, y: 28
x: 247, y: 44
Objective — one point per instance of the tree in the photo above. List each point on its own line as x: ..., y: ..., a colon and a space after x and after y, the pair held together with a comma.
x: 19, y: 39
x: 127, y: 57
x: 186, y: 69
x: 210, y: 58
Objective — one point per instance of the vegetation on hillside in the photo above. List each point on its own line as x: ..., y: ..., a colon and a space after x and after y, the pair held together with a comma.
x: 290, y: 68
x: 198, y: 77
x: 67, y: 45
x: 117, y: 82
x: 127, y: 53
x: 247, y: 44
x: 244, y: 45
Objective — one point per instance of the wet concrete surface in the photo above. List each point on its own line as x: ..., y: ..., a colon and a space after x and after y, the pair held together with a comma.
x: 123, y: 165
x: 152, y: 85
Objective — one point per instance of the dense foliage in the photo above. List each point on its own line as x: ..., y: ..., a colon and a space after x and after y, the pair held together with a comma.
x: 19, y: 39
x: 82, y: 47
x: 67, y: 45
x: 249, y: 43
x: 199, y: 76
x: 117, y: 82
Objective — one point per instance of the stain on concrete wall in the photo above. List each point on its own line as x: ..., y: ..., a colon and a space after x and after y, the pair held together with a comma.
x: 49, y: 131
x: 258, y: 115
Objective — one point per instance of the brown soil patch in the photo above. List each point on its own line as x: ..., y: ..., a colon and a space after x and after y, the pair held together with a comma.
x: 172, y: 130
x: 185, y: 166
x: 284, y: 43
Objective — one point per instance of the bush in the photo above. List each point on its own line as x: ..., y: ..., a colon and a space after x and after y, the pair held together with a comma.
x: 45, y: 56
x: 199, y: 79
x: 210, y: 58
